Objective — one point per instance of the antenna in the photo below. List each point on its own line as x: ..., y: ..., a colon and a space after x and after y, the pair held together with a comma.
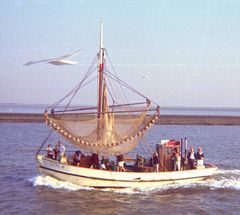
x: 101, y: 35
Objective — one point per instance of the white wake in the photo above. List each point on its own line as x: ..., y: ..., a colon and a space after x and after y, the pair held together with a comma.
x: 225, y: 179
x: 56, y: 184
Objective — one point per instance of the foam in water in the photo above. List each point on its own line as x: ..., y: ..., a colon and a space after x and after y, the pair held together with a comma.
x: 56, y: 184
x: 233, y: 171
x: 223, y: 179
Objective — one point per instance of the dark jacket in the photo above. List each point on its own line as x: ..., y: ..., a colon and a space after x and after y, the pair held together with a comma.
x: 199, y: 156
x: 156, y: 160
x: 188, y: 155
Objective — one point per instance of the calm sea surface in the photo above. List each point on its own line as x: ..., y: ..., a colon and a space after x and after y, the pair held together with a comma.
x: 24, y: 191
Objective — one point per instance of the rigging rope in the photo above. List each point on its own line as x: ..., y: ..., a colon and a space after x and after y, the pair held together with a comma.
x: 121, y: 88
x: 124, y: 83
x: 76, y: 88
x: 112, y: 78
x: 73, y: 91
x: 43, y: 143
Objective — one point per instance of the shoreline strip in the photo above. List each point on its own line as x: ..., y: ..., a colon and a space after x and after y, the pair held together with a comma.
x: 163, y: 120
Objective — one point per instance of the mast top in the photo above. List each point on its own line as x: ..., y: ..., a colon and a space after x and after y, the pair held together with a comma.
x: 101, y: 35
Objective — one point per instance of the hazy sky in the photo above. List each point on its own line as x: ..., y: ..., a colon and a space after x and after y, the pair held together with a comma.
x: 179, y: 53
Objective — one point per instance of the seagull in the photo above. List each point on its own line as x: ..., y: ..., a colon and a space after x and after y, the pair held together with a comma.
x: 56, y: 61
x: 145, y: 77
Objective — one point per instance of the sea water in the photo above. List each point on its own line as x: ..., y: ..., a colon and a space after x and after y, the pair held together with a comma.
x: 24, y: 191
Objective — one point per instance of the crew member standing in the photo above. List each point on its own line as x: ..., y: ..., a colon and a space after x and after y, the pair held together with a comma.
x: 156, y: 162
x: 191, y: 158
x: 200, y: 157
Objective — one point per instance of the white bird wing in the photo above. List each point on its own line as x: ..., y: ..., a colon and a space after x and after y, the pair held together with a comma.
x: 56, y: 61
x: 62, y: 62
x: 34, y: 62
x: 70, y: 55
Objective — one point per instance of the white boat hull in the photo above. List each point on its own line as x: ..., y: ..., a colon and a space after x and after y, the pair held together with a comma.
x: 112, y: 179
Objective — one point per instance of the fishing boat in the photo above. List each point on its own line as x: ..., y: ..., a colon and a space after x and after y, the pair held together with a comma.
x: 113, y: 129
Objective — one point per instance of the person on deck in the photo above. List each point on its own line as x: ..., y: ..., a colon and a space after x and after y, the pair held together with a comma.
x: 56, y: 152
x: 120, y: 163
x: 113, y: 166
x: 77, y: 158
x: 191, y: 158
x: 50, y: 151
x: 199, y: 157
x: 176, y: 160
x: 61, y: 149
x: 103, y: 167
x: 104, y: 163
x: 95, y: 161
x: 156, y: 162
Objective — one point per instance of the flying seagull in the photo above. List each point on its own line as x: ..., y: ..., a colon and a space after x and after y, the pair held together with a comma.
x: 56, y: 61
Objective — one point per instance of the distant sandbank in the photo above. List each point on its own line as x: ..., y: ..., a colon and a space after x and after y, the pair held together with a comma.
x: 163, y: 120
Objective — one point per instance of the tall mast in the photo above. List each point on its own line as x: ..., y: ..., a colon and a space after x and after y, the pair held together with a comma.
x: 100, y: 72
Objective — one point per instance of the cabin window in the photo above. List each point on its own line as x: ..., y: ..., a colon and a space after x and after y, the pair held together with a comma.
x: 169, y: 151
